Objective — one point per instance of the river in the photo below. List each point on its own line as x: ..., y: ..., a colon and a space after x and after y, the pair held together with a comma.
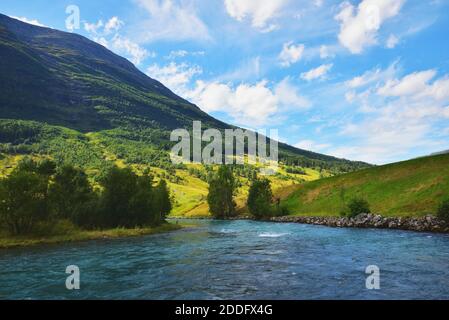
x: 235, y: 260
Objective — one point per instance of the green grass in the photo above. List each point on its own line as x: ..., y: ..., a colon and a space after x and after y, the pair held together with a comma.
x: 74, y: 234
x: 409, y: 188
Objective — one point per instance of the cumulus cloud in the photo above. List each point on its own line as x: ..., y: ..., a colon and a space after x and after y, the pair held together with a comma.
x: 174, y: 76
x: 401, y: 114
x: 260, y: 13
x: 418, y: 86
x: 107, y: 35
x: 170, y: 20
x: 93, y: 27
x: 132, y: 50
x: 30, y: 21
x: 114, y: 24
x: 248, y: 104
x: 359, y: 26
x: 290, y: 53
x: 317, y: 73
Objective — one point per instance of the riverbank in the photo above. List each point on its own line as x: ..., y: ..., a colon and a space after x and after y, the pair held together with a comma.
x: 420, y: 224
x: 83, y: 235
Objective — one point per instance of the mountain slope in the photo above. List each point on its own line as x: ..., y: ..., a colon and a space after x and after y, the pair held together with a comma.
x: 408, y: 188
x: 67, y: 80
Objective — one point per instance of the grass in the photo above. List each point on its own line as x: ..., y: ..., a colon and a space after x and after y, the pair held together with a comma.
x: 409, y: 188
x: 82, y: 235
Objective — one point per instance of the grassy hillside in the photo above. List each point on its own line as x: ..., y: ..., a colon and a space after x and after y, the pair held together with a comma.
x: 409, y: 188
x: 97, y: 151
x: 66, y: 80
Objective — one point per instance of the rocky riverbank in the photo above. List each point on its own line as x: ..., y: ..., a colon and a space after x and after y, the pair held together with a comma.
x: 368, y: 220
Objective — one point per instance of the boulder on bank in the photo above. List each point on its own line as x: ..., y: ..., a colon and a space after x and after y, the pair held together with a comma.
x: 368, y: 220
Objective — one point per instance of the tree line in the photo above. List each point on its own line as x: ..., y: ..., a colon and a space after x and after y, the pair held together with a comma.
x: 260, y: 201
x: 39, y: 192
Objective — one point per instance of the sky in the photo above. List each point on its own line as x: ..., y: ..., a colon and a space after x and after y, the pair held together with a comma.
x: 363, y: 80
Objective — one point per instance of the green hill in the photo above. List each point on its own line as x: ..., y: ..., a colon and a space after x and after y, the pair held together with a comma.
x: 70, y: 99
x: 409, y: 188
x: 64, y: 79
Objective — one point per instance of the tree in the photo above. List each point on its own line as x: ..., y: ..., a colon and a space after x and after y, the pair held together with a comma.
x: 23, y: 201
x: 443, y: 210
x: 70, y: 193
x: 221, y: 191
x: 119, y: 186
x: 259, y: 198
x: 163, y: 200
x: 129, y: 200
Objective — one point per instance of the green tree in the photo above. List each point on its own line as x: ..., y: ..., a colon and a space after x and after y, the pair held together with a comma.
x: 221, y: 192
x: 70, y: 193
x: 119, y: 186
x: 163, y: 200
x: 129, y: 200
x: 259, y: 198
x: 23, y: 201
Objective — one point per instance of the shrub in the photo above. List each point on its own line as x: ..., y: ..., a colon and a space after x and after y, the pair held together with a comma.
x: 357, y: 206
x: 443, y: 210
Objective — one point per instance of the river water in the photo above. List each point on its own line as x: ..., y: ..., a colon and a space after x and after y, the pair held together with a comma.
x: 236, y: 260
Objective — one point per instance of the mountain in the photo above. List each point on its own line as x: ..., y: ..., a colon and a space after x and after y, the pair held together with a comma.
x: 409, y: 188
x: 441, y: 152
x: 62, y: 81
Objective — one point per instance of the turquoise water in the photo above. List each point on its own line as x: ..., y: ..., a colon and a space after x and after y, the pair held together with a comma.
x: 236, y: 260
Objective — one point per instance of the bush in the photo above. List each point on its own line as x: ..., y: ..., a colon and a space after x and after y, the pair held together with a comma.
x: 443, y: 210
x: 357, y: 206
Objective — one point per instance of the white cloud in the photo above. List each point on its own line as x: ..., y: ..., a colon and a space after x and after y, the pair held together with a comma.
x: 318, y: 3
x: 100, y: 33
x: 114, y: 24
x: 289, y: 97
x: 324, y: 52
x: 259, y: 12
x: 359, y: 26
x: 319, y: 72
x: 350, y: 96
x: 93, y: 27
x: 397, y: 115
x: 170, y: 20
x: 291, y: 53
x: 311, y: 145
x: 372, y: 76
x: 174, y: 54
x: 132, y: 50
x: 417, y: 84
x: 30, y: 21
x: 174, y: 76
x: 102, y: 41
x: 251, y: 105
x: 392, y: 41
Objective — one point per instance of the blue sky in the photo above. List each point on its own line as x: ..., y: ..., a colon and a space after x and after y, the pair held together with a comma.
x: 364, y: 80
